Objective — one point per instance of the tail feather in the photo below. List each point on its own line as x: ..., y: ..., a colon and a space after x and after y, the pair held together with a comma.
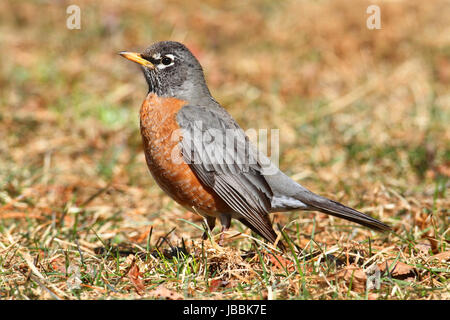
x: 334, y: 208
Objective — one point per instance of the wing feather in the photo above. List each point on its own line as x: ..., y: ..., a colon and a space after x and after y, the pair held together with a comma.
x: 220, y: 154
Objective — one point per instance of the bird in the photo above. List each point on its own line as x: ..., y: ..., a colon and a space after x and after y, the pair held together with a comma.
x: 200, y: 156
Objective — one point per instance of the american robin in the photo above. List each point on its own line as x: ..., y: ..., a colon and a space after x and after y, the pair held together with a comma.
x: 186, y: 136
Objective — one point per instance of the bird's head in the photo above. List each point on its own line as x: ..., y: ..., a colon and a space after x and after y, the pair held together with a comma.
x: 171, y: 70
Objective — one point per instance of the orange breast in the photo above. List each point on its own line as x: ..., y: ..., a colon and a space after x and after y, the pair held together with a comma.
x: 161, y: 135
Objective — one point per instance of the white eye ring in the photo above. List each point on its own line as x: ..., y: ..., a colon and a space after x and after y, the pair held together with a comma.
x: 170, y: 57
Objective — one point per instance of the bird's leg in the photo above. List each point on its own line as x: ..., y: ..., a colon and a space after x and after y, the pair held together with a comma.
x: 225, y: 220
x: 222, y: 235
x: 211, y: 223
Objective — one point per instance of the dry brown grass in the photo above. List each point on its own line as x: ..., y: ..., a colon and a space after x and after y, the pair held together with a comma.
x: 363, y: 116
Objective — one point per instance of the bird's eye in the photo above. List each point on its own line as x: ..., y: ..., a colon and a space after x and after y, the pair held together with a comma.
x: 166, y: 61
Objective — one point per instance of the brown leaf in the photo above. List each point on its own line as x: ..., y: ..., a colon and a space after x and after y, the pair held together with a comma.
x: 230, y: 284
x: 141, y: 235
x: 20, y: 215
x: 373, y: 296
x: 444, y: 169
x: 399, y: 271
x: 443, y: 256
x: 162, y: 292
x: 352, y: 274
x: 443, y: 69
x: 280, y: 263
x: 133, y: 275
x: 215, y: 284
x: 434, y: 244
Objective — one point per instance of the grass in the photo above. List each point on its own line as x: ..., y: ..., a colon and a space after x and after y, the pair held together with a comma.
x: 363, y: 118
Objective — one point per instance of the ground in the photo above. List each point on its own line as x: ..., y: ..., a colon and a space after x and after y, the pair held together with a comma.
x: 363, y: 117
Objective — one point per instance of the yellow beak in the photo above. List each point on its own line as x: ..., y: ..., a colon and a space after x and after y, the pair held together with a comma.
x: 137, y: 57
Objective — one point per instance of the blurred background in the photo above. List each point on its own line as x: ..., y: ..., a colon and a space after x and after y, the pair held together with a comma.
x: 363, y: 114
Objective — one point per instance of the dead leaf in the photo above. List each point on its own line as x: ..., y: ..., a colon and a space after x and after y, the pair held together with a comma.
x: 399, y: 271
x: 20, y: 215
x: 443, y: 69
x: 353, y: 274
x: 162, y: 292
x: 434, y: 244
x: 134, y: 276
x: 443, y: 256
x: 372, y: 296
x: 141, y: 236
x: 216, y: 284
x: 280, y: 263
x: 444, y: 169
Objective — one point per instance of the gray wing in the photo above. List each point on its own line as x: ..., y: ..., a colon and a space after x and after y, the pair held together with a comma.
x: 220, y: 154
